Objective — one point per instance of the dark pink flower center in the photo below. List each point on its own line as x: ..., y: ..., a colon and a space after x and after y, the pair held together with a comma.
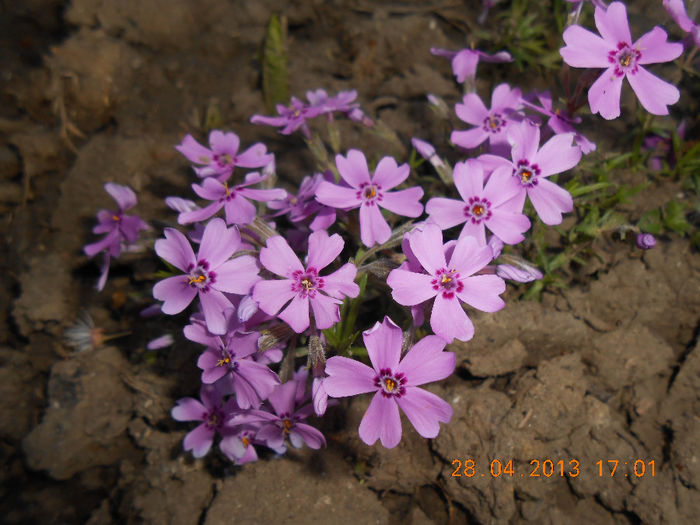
x: 527, y: 173
x: 227, y: 359
x: 200, y: 276
x: 307, y: 283
x: 624, y: 59
x: 214, y: 418
x: 494, y: 123
x: 447, y: 282
x: 390, y: 384
x: 369, y: 193
x: 223, y: 159
x: 477, y: 209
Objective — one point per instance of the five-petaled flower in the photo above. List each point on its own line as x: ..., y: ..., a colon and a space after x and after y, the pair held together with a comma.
x: 622, y: 58
x: 395, y: 382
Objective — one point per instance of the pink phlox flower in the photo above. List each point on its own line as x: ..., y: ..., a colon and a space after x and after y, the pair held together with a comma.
x: 491, y: 124
x: 228, y: 359
x: 560, y: 121
x: 450, y: 284
x: 395, y: 382
x: 482, y: 206
x: 234, y: 200
x: 209, y: 275
x: 121, y: 230
x: 291, y: 118
x: 211, y: 410
x: 222, y: 156
x: 530, y: 166
x: 302, y: 285
x: 238, y: 443
x: 284, y: 420
x: 465, y: 61
x: 344, y: 101
x: 676, y: 8
x: 304, y: 204
x: 621, y: 58
x: 370, y: 192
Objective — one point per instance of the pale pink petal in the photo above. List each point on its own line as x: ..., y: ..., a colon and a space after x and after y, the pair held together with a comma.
x: 303, y: 433
x: 353, y: 168
x: 426, y: 362
x: 255, y: 156
x: 470, y: 138
x: 505, y: 98
x: 410, y: 288
x: 200, y: 214
x: 655, y: 49
x: 476, y: 230
x: 239, y: 210
x: 464, y: 64
x: 383, y: 342
x: 469, y: 256
x: 446, y: 213
x: 425, y: 411
x: 279, y: 258
x: 282, y: 398
x: 403, y: 202
x: 176, y: 249
x: 199, y: 440
x: 508, y: 226
x: 341, y: 282
x: 604, y: 95
x: 323, y: 249
x: 123, y: 195
x: 214, y: 304
x: 337, y: 196
x: 381, y: 421
x: 218, y: 243
x: 585, y: 49
x: 325, y: 309
x: 237, y: 275
x: 259, y: 376
x: 273, y: 295
x: 194, y: 151
x: 654, y: 94
x: 450, y: 321
x: 469, y: 178
x: 426, y: 245
x: 550, y: 201
x: 502, y: 187
x: 612, y: 23
x: 472, y: 111
x: 525, y: 138
x: 388, y: 175
x: 176, y: 293
x: 557, y: 155
x: 347, y: 377
x: 189, y: 409
x: 373, y: 226
x: 482, y: 292
x: 676, y: 8
x: 296, y: 314
x: 210, y: 189
x: 226, y: 143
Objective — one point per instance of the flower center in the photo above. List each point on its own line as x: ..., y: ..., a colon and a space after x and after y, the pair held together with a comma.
x: 369, y: 193
x: 477, y: 209
x: 624, y: 58
x: 390, y: 384
x: 116, y: 218
x: 447, y: 282
x: 200, y: 277
x: 494, y: 123
x: 307, y: 283
x: 527, y: 173
x: 214, y: 419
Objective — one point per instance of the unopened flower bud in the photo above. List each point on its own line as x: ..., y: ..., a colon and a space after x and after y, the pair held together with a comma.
x: 646, y: 241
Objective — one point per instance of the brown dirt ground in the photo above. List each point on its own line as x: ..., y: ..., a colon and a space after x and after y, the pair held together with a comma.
x: 96, y: 91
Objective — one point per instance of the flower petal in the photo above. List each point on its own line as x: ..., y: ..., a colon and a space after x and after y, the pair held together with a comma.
x: 410, y: 288
x: 373, y: 226
x: 426, y: 362
x: 296, y: 314
x: 237, y: 275
x: 450, y: 321
x: 383, y: 342
x: 655, y: 49
x: 550, y: 201
x: 189, y: 409
x: 584, y: 48
x: 472, y: 110
x: 199, y: 214
x: 446, y: 213
x: 503, y: 97
x: 176, y: 250
x: 218, y: 243
x: 525, y: 138
x: 279, y: 258
x: 612, y: 23
x: 194, y: 151
x: 239, y: 210
x: 175, y: 292
x: 199, y: 440
x: 508, y: 226
x: 273, y: 295
x: 557, y: 155
x: 341, y: 282
x: 353, y: 169
x: 654, y: 94
x: 325, y: 309
x: 482, y: 292
x: 604, y: 95
x: 404, y: 202
x: 214, y: 304
x: 381, y: 421
x: 323, y: 249
x: 426, y: 244
x: 347, y: 377
x: 123, y: 195
x: 470, y: 138
x: 469, y: 257
x: 388, y: 174
x: 337, y: 196
x: 301, y: 432
x: 425, y: 411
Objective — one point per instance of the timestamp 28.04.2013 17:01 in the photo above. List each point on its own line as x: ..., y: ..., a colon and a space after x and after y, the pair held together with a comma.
x: 546, y: 468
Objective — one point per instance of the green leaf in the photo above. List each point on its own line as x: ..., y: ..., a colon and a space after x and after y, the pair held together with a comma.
x: 674, y: 218
x: 275, y: 73
x: 650, y: 222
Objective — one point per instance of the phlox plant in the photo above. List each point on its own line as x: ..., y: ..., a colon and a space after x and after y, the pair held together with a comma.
x: 357, y: 269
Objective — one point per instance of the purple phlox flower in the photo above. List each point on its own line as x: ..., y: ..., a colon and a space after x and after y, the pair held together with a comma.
x: 302, y: 285
x: 395, y: 382
x: 344, y: 101
x: 208, y: 275
x: 304, y: 204
x: 370, y: 192
x: 676, y: 8
x: 213, y: 413
x: 234, y: 200
x: 222, y: 156
x: 160, y: 342
x: 451, y: 284
x: 517, y: 269
x: 491, y: 124
x: 465, y: 61
x: 293, y: 117
x: 229, y: 358
x: 238, y: 442
x: 121, y: 230
x: 621, y: 58
x: 285, y: 420
x: 531, y: 166
x: 645, y: 241
x: 560, y: 121
x: 482, y: 206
